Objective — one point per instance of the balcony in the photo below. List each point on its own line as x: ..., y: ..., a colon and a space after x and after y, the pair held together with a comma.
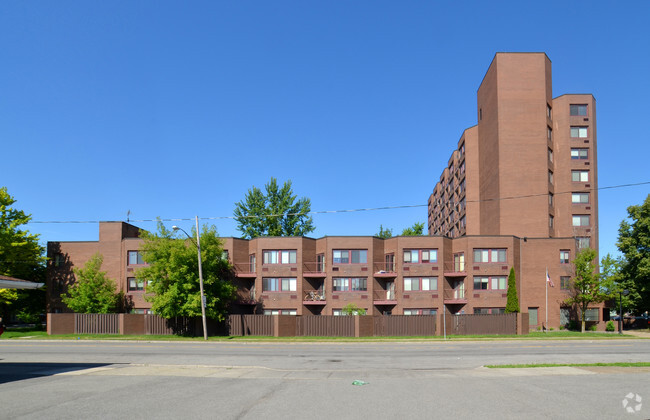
x: 313, y: 269
x: 384, y: 297
x: 245, y: 270
x: 455, y: 269
x: 455, y: 297
x: 314, y: 297
x: 384, y: 269
x: 246, y: 297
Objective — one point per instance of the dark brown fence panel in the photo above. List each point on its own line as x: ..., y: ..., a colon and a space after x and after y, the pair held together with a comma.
x: 96, y: 324
x: 241, y: 325
x: 157, y: 325
x: 497, y: 324
x: 405, y: 325
x: 325, y: 326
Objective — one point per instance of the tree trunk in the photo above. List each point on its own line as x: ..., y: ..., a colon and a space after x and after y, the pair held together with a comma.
x: 583, y: 325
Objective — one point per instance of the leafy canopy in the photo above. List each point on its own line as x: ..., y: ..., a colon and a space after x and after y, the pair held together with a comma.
x: 21, y: 257
x: 512, y: 302
x: 634, y: 244
x: 384, y: 233
x: 416, y: 230
x: 93, y: 292
x: 20, y: 254
x: 172, y: 276
x: 587, y: 286
x: 277, y: 212
x: 352, y: 309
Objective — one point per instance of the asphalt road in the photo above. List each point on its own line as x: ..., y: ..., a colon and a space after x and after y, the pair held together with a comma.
x: 233, y: 380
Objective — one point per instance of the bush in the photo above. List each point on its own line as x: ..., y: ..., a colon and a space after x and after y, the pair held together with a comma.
x: 573, y: 325
x: 593, y: 328
x: 610, y: 326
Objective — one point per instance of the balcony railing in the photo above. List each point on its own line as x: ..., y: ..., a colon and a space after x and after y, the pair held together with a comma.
x: 314, y: 268
x: 384, y: 268
x: 244, y: 269
x: 314, y: 296
x: 246, y: 297
x: 455, y: 267
x: 383, y: 295
x: 455, y: 295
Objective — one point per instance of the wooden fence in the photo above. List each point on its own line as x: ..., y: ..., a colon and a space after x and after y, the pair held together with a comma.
x: 288, y: 325
x: 325, y: 326
x: 497, y: 324
x: 405, y: 325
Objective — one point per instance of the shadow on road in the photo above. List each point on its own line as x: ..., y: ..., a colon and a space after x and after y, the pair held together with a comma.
x: 11, y: 372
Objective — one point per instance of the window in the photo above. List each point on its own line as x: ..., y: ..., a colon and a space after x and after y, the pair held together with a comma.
x: 564, y: 257
x: 251, y: 262
x: 415, y: 256
x: 580, y: 154
x: 580, y: 176
x: 280, y: 312
x: 591, y: 314
x: 550, y: 155
x: 550, y: 199
x: 135, y: 284
x: 579, y: 132
x: 279, y: 284
x: 279, y: 257
x: 59, y: 259
x: 550, y: 177
x: 549, y: 133
x: 354, y: 256
x: 414, y: 284
x: 489, y: 311
x: 581, y: 220
x: 135, y: 258
x: 578, y: 110
x: 489, y: 255
x: 565, y: 282
x: 580, y: 198
x: 420, y: 311
x: 490, y: 283
x: 532, y: 316
x: 140, y: 311
x: 583, y: 242
x: 353, y: 284
x: 549, y: 111
x: 550, y: 220
x: 565, y: 316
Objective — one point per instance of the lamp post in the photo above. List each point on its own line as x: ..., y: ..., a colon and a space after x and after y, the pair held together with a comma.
x: 198, y: 247
x: 621, y: 293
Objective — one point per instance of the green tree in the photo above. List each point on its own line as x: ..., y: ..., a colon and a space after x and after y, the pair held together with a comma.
x: 587, y: 287
x: 634, y: 244
x: 384, y: 233
x: 277, y: 212
x: 92, y: 292
x: 21, y: 257
x: 512, y: 302
x: 352, y: 309
x: 172, y: 275
x: 416, y: 230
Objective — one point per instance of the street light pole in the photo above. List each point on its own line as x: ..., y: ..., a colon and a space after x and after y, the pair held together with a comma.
x: 198, y: 247
x: 620, y: 309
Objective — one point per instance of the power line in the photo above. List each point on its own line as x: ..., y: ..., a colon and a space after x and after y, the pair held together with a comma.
x: 332, y: 211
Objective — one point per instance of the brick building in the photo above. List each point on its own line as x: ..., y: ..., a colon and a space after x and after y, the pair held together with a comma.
x: 519, y: 192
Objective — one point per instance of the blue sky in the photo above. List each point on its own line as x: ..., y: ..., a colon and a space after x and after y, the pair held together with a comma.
x: 175, y: 109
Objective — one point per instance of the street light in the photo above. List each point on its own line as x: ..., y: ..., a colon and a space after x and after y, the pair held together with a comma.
x: 198, y: 247
x: 621, y: 293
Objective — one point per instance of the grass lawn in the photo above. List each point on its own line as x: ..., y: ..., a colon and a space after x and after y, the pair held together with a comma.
x: 617, y: 364
x: 26, y: 333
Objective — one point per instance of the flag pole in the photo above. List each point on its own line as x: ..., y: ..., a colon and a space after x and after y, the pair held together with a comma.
x: 546, y: 309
